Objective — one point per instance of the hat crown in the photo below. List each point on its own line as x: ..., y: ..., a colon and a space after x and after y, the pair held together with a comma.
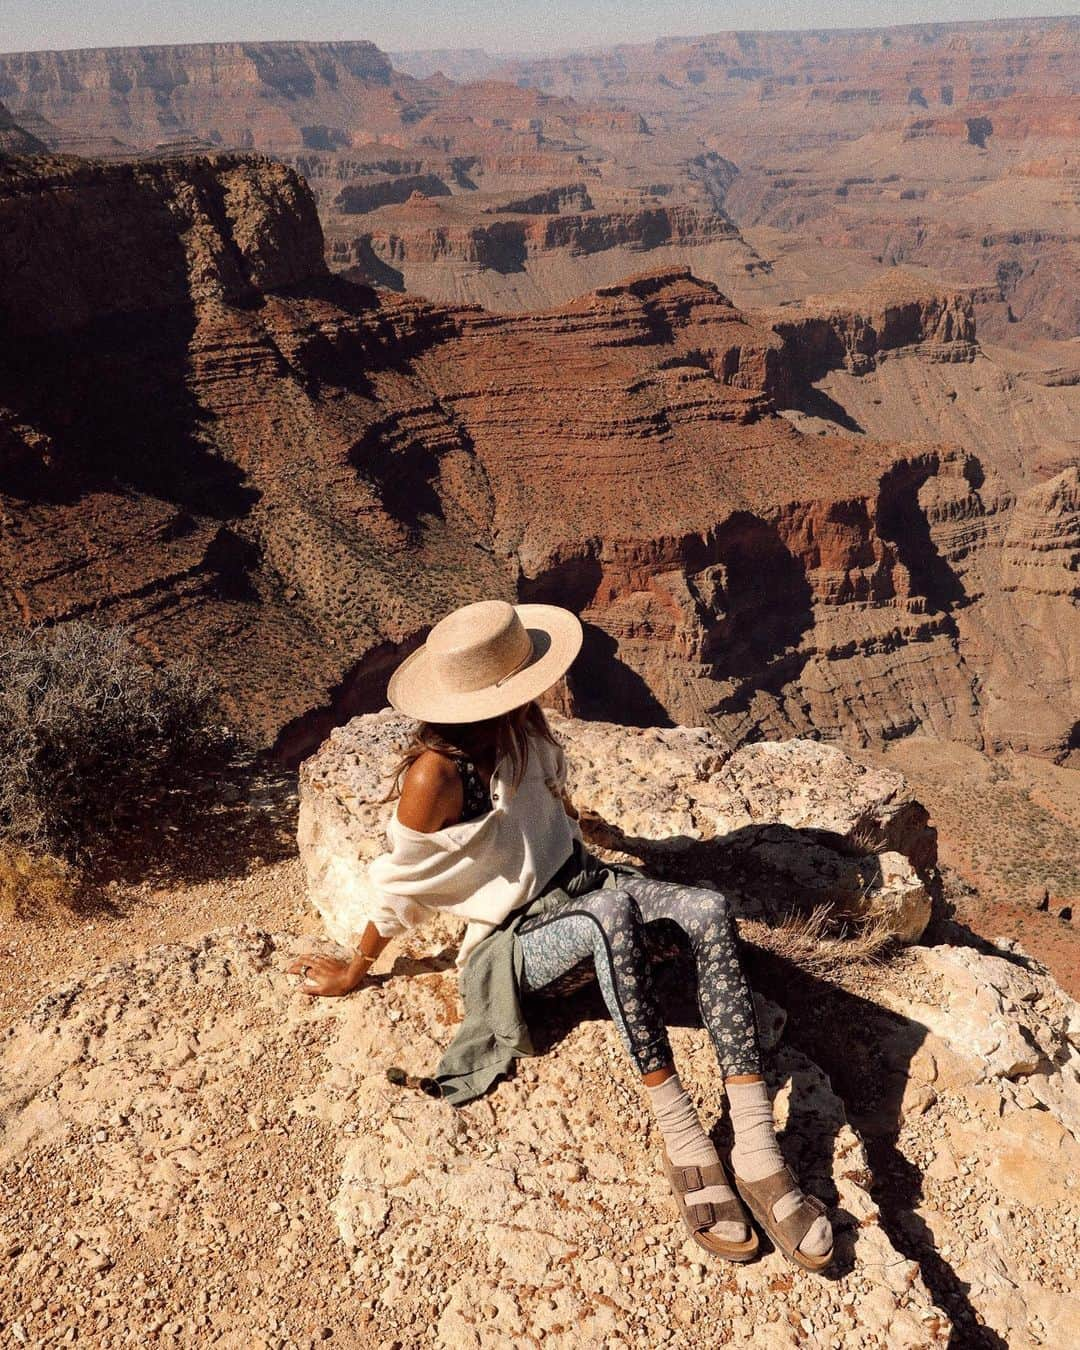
x: 478, y: 646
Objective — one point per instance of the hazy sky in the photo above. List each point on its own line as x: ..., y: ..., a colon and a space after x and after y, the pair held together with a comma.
x: 498, y: 25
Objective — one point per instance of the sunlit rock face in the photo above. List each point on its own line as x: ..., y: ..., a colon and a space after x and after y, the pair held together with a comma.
x: 782, y: 828
x: 316, y: 471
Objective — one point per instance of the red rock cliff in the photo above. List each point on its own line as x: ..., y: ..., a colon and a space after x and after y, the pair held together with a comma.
x: 205, y: 435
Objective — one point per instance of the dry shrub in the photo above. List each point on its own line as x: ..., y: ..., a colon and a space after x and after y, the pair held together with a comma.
x: 865, y: 839
x: 88, y: 724
x: 817, y: 944
x: 35, y: 885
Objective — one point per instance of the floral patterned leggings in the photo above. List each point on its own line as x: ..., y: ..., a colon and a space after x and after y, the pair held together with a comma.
x: 617, y: 934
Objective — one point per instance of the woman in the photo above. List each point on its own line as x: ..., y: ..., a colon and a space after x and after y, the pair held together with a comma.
x: 483, y: 830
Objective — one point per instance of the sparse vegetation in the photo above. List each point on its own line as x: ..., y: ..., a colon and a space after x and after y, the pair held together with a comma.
x: 864, y: 840
x: 88, y: 723
x: 34, y: 885
x: 821, y: 947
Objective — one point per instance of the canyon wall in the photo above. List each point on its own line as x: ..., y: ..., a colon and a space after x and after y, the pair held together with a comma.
x: 231, y: 93
x: 943, y: 63
x: 949, y: 148
x: 187, y: 412
x: 510, y: 260
x: 902, y: 145
x: 208, y: 436
x: 16, y: 140
x: 371, y: 139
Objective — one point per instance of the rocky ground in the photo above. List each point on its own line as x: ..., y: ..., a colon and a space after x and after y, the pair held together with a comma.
x: 193, y: 1154
x: 212, y: 852
x: 1009, y: 842
x: 190, y: 1150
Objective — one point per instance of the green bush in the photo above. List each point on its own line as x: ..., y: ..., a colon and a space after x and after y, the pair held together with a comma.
x: 88, y: 726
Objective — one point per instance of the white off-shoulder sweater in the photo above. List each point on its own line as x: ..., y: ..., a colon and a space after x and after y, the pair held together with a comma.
x: 479, y: 870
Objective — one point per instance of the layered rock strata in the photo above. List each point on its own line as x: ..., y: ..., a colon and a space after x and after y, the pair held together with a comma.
x: 901, y: 145
x: 14, y: 139
x: 240, y: 95
x: 317, y: 471
x: 922, y: 66
x: 191, y: 424
x: 864, y: 149
x: 513, y: 260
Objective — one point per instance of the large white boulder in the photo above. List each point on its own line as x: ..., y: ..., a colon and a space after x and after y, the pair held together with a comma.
x: 781, y: 828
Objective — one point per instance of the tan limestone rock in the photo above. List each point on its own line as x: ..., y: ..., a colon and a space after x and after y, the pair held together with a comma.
x: 778, y: 828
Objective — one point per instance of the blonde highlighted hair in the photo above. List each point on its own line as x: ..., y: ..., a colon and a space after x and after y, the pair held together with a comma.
x: 509, y: 733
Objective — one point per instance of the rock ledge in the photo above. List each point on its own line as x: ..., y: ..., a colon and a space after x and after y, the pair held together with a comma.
x: 780, y: 826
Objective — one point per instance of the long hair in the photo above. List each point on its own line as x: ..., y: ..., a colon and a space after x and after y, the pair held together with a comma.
x: 509, y: 733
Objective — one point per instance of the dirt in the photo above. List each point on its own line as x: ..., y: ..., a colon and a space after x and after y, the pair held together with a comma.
x: 198, y: 867
x: 1008, y: 832
x: 195, y: 1154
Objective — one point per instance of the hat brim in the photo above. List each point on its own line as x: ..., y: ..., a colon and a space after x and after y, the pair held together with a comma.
x: 556, y: 637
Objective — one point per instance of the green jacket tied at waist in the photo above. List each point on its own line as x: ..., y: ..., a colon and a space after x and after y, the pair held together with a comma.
x: 493, y: 1032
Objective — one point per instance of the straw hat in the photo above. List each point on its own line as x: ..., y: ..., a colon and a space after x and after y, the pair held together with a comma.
x: 484, y: 659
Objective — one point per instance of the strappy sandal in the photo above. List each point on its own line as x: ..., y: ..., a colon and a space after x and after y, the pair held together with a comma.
x: 700, y: 1218
x: 761, y: 1196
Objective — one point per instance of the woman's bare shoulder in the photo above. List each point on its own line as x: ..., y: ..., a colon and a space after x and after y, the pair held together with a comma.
x: 431, y: 793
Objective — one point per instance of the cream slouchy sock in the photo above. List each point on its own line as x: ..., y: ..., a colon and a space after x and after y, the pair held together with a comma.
x: 688, y: 1145
x: 756, y: 1155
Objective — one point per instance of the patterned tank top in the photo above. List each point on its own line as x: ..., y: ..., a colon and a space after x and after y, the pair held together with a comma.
x: 477, y: 795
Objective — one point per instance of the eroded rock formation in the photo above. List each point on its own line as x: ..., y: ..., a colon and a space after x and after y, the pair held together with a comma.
x: 239, y: 95
x: 369, y: 137
x: 839, y: 154
x: 178, y: 381
x: 900, y: 144
x: 432, y: 247
x: 786, y: 827
x: 206, y: 435
x: 14, y: 139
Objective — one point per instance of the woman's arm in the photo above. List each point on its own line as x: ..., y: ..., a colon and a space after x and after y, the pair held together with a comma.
x: 431, y: 798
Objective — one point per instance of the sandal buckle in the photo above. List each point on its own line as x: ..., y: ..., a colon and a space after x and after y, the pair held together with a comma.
x: 701, y: 1216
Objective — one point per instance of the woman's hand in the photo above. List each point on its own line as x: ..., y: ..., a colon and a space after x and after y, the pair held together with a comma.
x: 328, y: 976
